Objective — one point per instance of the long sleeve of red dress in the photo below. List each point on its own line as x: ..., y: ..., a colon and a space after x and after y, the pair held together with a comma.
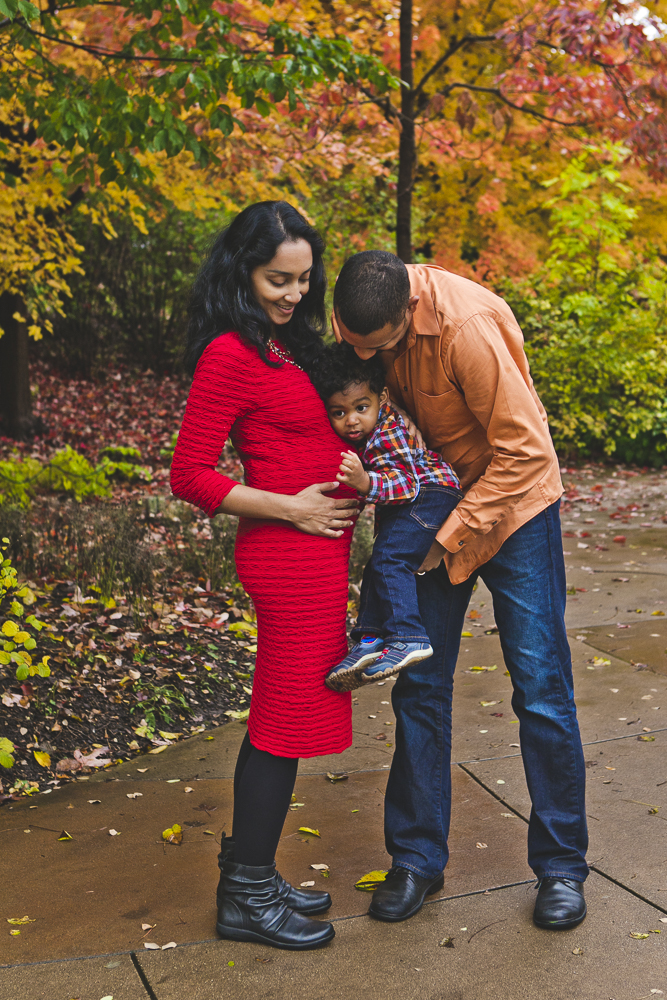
x: 224, y: 390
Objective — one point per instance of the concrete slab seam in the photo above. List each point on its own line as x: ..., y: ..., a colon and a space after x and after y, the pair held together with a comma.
x: 61, y: 961
x: 491, y: 792
x: 591, y: 743
x: 448, y: 899
x: 142, y: 976
x: 622, y: 885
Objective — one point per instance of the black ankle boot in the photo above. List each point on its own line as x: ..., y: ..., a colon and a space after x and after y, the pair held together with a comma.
x: 309, y: 901
x: 252, y: 910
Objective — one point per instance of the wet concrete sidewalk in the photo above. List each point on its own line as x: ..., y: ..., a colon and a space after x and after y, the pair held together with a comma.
x: 95, y: 901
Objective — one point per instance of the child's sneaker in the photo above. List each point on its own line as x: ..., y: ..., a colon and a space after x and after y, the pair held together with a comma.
x: 394, y: 657
x: 346, y: 676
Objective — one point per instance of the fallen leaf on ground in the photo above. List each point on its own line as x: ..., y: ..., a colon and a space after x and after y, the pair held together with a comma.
x: 156, y: 750
x: 188, y: 789
x: 209, y: 832
x: 337, y: 776
x: 20, y: 920
x: 577, y: 951
x: 114, y: 833
x: 170, y: 944
x: 488, y: 704
x: 147, y: 927
x: 151, y: 946
x: 447, y: 942
x: 305, y: 885
x: 370, y: 881
x: 173, y: 835
x: 134, y: 795
x: 637, y: 935
x: 94, y: 802
x: 320, y: 868
x: 480, y: 669
x: 481, y: 845
x: 65, y: 836
x: 43, y: 759
x: 308, y: 829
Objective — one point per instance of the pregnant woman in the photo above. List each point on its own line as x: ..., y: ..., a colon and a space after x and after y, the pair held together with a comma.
x: 257, y: 317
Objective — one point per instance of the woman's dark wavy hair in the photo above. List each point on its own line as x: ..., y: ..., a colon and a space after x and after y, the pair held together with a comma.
x: 222, y: 299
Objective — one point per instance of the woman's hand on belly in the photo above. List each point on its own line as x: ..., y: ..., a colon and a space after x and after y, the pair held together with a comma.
x: 316, y: 514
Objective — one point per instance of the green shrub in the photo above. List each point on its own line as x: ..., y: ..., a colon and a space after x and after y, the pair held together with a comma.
x: 66, y: 472
x: 594, y: 319
x: 122, y: 462
x: 16, y: 642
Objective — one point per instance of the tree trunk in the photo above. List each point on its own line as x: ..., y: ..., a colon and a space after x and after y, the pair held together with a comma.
x: 15, y: 399
x: 406, y: 146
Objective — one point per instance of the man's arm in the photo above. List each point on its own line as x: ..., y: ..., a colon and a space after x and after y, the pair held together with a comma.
x: 479, y: 361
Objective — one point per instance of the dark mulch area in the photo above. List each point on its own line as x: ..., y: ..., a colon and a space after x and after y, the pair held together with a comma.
x: 115, y: 672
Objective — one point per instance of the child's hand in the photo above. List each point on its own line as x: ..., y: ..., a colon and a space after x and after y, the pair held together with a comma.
x: 352, y: 473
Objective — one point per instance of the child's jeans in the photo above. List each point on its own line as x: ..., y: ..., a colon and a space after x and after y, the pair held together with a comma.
x: 388, y: 606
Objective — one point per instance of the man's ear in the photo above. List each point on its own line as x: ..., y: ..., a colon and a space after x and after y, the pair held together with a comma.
x: 334, y: 327
x: 413, y: 302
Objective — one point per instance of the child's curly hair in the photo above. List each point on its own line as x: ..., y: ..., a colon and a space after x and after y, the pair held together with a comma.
x: 337, y: 367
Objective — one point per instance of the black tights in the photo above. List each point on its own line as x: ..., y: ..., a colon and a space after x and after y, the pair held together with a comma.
x: 263, y: 786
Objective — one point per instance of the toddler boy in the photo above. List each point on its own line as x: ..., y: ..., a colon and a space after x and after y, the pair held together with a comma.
x: 414, y: 490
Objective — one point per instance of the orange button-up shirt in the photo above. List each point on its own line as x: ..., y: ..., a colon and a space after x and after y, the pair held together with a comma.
x: 462, y: 374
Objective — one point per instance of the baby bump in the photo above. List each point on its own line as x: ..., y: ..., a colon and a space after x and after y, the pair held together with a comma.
x: 282, y: 568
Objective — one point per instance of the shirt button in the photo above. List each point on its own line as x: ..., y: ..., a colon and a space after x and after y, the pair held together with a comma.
x: 405, y: 388
x: 460, y: 543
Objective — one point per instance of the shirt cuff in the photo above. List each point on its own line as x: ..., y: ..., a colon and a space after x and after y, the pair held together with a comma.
x: 374, y: 495
x: 454, y: 533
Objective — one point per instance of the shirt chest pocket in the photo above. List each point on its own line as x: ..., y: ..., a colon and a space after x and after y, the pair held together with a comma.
x: 441, y: 417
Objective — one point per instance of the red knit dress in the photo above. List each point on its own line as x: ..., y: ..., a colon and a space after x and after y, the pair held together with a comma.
x: 298, y: 582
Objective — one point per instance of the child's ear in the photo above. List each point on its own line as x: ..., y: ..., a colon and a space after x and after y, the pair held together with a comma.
x: 384, y: 396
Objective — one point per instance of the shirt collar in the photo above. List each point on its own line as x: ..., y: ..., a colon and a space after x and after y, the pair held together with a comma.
x: 424, y: 321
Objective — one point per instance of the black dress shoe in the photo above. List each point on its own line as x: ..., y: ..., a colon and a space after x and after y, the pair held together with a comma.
x: 252, y: 910
x: 402, y: 894
x: 560, y: 904
x: 311, y: 902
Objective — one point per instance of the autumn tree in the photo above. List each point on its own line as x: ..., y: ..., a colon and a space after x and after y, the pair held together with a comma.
x: 100, y: 91
x: 474, y: 75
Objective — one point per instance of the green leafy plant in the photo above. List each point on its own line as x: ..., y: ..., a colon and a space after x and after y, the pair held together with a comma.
x: 6, y: 752
x: 17, y: 642
x: 66, y: 472
x: 122, y: 462
x: 594, y: 319
x: 159, y: 701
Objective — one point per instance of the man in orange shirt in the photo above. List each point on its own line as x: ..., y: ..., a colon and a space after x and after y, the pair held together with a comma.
x: 454, y: 360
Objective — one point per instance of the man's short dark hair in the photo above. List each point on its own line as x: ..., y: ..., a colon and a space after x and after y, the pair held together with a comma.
x: 338, y: 367
x: 372, y: 290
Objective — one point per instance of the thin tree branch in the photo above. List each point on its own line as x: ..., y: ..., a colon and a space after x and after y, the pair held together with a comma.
x: 452, y: 50
x: 497, y: 92
x: 101, y: 53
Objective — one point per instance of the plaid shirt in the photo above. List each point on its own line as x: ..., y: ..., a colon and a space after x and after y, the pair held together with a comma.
x: 396, y: 466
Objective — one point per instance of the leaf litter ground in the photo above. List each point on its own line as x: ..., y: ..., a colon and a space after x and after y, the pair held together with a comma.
x: 126, y: 668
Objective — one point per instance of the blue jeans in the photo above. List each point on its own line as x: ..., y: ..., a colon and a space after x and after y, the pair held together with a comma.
x: 389, y: 606
x: 527, y: 581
